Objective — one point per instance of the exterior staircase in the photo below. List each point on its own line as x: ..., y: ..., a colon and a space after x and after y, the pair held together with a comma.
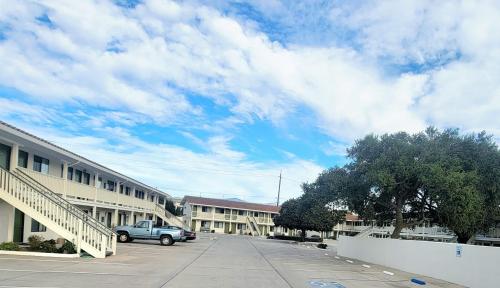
x: 254, y: 228
x: 57, y: 214
x: 170, y: 218
x: 365, y: 233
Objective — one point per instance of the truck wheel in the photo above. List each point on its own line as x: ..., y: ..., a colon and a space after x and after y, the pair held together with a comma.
x: 123, y: 237
x: 166, y: 240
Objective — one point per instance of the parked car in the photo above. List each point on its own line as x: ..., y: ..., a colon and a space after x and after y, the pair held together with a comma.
x: 190, y: 235
x: 146, y: 230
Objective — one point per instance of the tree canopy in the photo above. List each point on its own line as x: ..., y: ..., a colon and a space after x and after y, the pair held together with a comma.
x: 170, y: 207
x: 307, y: 213
x: 403, y: 179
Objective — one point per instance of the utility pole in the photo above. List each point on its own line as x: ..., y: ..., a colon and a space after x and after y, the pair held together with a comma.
x: 279, y: 190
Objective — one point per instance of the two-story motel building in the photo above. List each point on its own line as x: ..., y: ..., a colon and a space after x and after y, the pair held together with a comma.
x: 68, y: 194
x: 228, y: 216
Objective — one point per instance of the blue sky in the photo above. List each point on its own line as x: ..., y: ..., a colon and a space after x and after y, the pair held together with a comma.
x: 215, y: 98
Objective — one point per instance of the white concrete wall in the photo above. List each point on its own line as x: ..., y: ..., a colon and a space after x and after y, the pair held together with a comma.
x: 6, y: 220
x: 47, y: 235
x: 479, y: 266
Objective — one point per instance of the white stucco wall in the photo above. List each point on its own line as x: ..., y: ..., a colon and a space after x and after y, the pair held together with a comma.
x: 47, y: 235
x: 478, y: 266
x: 6, y: 220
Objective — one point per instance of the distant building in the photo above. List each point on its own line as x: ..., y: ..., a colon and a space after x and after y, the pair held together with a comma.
x: 228, y: 216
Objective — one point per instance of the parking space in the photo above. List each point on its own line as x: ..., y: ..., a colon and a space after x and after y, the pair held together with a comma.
x: 211, y: 261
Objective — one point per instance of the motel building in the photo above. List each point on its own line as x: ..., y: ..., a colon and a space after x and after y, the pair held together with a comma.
x: 228, y: 216
x: 49, y: 191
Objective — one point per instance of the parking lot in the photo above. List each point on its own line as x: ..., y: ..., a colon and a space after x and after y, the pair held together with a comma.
x: 211, y: 261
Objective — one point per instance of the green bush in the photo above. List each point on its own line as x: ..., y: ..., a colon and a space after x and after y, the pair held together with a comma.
x: 9, y: 246
x: 35, y: 241
x: 48, y: 246
x: 68, y: 248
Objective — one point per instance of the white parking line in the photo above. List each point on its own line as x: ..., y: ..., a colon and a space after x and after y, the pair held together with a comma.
x: 63, y: 261
x: 67, y: 272
x: 388, y: 273
x: 350, y: 261
x: 28, y: 287
x: 366, y: 266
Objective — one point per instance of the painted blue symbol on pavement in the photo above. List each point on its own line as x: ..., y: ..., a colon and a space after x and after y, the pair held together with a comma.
x: 325, y: 284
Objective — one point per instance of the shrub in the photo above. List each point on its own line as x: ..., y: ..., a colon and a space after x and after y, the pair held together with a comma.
x: 9, y: 246
x: 322, y: 245
x: 48, y: 246
x: 298, y: 238
x: 68, y: 248
x: 35, y: 241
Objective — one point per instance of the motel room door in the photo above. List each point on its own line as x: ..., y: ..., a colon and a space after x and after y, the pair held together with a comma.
x: 18, y: 226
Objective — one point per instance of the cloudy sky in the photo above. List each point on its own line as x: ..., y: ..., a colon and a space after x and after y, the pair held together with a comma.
x: 216, y: 98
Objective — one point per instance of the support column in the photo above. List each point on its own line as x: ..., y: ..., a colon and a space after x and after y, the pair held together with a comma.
x: 115, y: 218
x: 132, y: 218
x: 65, y: 178
x: 96, y: 186
x: 10, y: 222
x: 94, y: 212
x: 14, y: 156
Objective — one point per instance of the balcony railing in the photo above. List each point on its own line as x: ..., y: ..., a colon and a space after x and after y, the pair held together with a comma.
x: 82, y: 192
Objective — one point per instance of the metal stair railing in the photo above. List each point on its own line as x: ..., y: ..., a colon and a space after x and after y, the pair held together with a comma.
x: 256, y: 225
x: 160, y: 210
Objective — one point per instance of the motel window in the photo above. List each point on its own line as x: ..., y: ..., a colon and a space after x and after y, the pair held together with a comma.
x: 219, y: 211
x: 271, y: 229
x: 218, y: 224
x: 78, y: 176
x: 110, y: 185
x: 121, y: 189
x: 241, y: 212
x: 70, y: 173
x: 86, y: 178
x: 37, y: 227
x: 139, y: 194
x: 127, y: 190
x: 41, y: 164
x: 255, y: 214
x: 22, y: 160
x: 241, y: 226
x: 205, y: 209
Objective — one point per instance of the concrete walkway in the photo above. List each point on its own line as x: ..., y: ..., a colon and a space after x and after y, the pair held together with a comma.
x: 212, y: 261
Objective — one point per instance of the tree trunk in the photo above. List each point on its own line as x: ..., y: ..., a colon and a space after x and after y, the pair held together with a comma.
x: 463, y: 238
x: 303, y: 236
x: 398, y: 226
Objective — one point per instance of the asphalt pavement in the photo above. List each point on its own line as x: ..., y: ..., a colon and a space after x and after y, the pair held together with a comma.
x: 211, y: 261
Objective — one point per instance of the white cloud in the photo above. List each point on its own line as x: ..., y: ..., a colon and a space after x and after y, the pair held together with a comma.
x: 164, y: 46
x: 198, y: 49
x: 179, y: 171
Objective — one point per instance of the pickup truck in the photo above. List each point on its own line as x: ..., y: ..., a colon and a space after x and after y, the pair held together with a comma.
x: 146, y: 230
